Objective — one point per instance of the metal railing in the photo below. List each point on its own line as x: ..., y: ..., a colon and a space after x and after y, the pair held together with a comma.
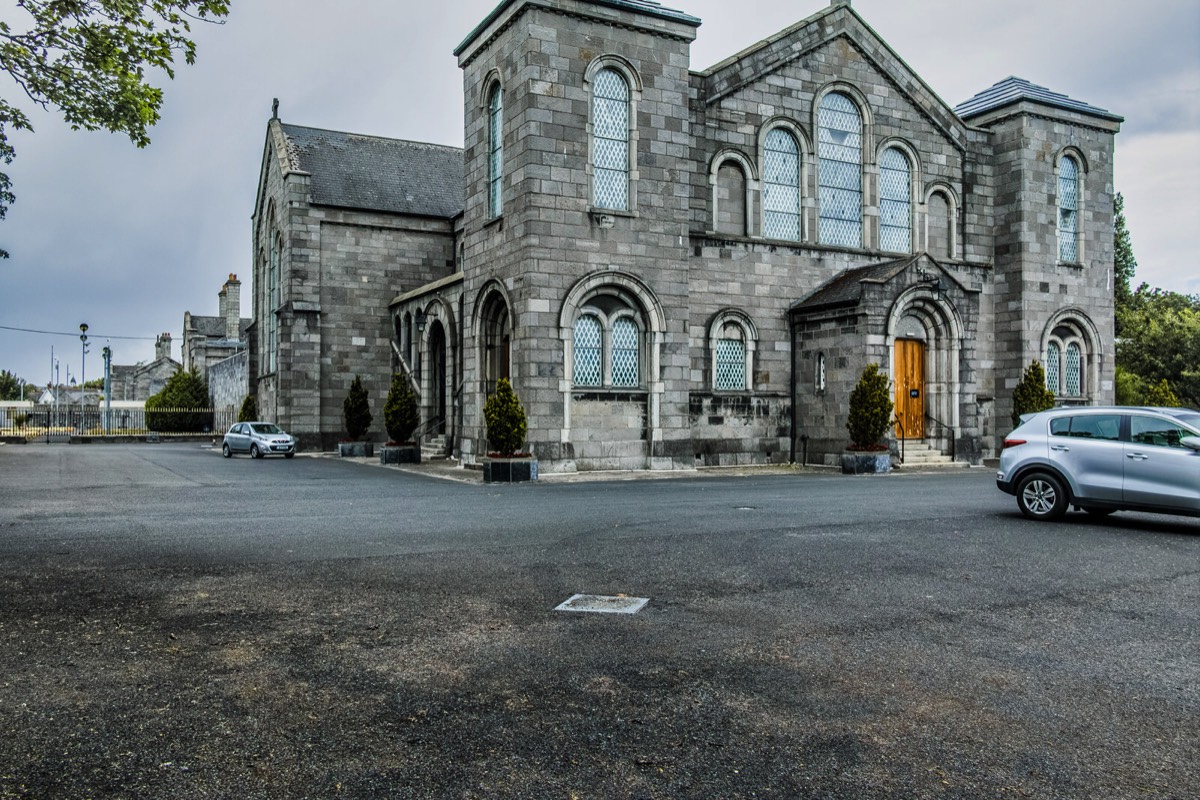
x: 950, y: 430
x: 51, y: 423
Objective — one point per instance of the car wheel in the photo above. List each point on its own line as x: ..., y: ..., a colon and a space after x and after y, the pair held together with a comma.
x: 288, y: 455
x: 1041, y: 496
x: 255, y: 452
x: 225, y: 450
x: 1099, y: 512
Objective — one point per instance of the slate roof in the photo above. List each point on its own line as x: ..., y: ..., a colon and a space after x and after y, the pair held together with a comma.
x: 845, y: 289
x: 214, y: 327
x: 350, y: 170
x: 1013, y: 90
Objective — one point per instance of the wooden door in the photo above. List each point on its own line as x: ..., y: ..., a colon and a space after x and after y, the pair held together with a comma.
x: 910, y: 389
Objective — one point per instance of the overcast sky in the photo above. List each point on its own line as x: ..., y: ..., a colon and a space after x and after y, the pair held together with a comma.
x: 127, y: 240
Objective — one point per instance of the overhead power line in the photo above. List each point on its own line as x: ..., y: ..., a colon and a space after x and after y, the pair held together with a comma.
x: 75, y: 334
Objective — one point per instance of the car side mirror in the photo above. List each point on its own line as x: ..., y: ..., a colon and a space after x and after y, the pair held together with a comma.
x: 1191, y: 443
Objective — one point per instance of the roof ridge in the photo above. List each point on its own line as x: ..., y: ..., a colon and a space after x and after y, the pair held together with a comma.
x: 377, y: 137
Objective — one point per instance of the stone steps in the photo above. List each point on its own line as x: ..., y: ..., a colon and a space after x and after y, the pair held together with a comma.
x: 920, y: 453
x: 435, y: 448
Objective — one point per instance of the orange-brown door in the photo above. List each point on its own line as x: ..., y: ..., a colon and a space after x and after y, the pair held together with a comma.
x: 910, y: 389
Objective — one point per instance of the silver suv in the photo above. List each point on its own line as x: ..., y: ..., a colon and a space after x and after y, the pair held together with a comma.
x: 1103, y: 460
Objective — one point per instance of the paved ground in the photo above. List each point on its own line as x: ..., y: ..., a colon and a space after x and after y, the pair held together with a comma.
x: 173, y: 624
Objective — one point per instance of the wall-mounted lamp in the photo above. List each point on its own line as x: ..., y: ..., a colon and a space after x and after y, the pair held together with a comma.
x: 422, y: 318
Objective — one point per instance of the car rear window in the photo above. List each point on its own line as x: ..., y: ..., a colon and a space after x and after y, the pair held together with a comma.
x: 1106, y: 427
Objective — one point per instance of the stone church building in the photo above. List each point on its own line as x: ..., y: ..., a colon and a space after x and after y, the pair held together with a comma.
x: 680, y: 268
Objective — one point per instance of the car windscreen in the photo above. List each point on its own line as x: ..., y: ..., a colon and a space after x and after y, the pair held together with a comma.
x: 266, y: 428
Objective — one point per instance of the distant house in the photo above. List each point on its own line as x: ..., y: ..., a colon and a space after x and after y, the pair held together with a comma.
x: 216, y: 347
x: 141, y: 381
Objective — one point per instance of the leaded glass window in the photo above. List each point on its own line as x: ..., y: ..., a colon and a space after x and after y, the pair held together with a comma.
x: 587, y: 351
x: 731, y: 365
x: 781, y: 186
x: 1074, y: 371
x: 1068, y: 210
x: 610, y: 141
x: 495, y: 151
x: 839, y: 152
x: 1053, y: 357
x: 273, y: 300
x: 624, y: 353
x: 895, y: 202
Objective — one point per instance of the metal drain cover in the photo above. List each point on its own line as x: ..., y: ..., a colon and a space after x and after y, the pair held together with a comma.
x: 600, y: 604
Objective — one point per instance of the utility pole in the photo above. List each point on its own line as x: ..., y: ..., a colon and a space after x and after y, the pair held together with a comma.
x: 107, y: 388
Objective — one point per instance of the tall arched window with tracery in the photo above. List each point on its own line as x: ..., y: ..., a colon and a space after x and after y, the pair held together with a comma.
x: 1069, y: 358
x: 839, y: 169
x: 895, y: 201
x: 1068, y: 210
x: 1053, y: 362
x: 733, y: 340
x: 625, y: 350
x: 588, y: 349
x: 495, y: 150
x: 610, y: 140
x: 781, y: 185
x: 273, y: 300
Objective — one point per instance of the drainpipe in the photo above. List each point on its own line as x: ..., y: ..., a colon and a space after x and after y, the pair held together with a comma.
x: 792, y: 390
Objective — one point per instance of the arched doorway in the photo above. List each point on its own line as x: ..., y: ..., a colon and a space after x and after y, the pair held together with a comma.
x: 925, y: 337
x: 909, y: 379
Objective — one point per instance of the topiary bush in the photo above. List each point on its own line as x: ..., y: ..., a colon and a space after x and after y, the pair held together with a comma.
x: 356, y: 410
x: 870, y: 410
x: 505, y: 417
x: 400, y: 413
x: 1031, y: 394
x: 182, y: 406
x: 249, y: 410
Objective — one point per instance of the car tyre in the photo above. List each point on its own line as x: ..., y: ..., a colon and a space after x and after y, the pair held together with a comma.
x: 1041, y: 496
x: 288, y: 455
x: 255, y: 452
x: 225, y: 451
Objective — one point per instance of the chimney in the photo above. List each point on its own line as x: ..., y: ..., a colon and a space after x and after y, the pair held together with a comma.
x: 162, y: 346
x: 221, y: 303
x: 232, y: 295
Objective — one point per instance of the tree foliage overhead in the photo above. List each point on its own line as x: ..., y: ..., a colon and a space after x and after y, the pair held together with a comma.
x: 88, y: 58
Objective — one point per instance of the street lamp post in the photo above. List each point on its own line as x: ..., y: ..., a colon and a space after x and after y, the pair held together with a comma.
x: 83, y: 329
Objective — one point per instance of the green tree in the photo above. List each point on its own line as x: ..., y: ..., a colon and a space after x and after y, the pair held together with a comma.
x: 356, y: 410
x: 88, y: 58
x: 1031, y: 394
x: 870, y: 408
x: 10, y: 386
x: 1124, y: 264
x: 182, y: 406
x: 400, y: 413
x: 505, y: 418
x: 249, y: 410
x: 1161, y: 341
x: 1160, y: 394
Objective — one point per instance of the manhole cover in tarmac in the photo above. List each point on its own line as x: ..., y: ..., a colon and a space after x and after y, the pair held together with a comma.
x: 599, y: 604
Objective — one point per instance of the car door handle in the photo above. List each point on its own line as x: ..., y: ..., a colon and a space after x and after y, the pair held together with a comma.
x: 1137, y: 456
x: 1061, y: 448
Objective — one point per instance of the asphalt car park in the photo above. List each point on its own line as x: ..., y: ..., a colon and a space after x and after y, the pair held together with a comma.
x: 176, y: 625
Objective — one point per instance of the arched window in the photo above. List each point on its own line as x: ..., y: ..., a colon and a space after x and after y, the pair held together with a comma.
x: 781, y: 186
x: 895, y: 202
x: 940, y: 226
x: 495, y: 151
x: 588, y: 349
x: 1068, y: 360
x: 1068, y: 210
x: 839, y: 153
x: 733, y: 340
x: 625, y: 353
x: 610, y: 140
x: 273, y: 300
x: 729, y: 199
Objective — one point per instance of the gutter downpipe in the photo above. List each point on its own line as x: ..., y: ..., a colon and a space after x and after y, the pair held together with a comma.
x: 792, y: 390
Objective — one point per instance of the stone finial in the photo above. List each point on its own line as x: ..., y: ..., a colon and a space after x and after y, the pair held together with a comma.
x: 275, y: 108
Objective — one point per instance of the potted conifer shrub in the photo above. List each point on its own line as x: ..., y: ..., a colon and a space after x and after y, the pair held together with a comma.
x: 356, y: 414
x: 400, y: 418
x: 1031, y: 394
x: 506, y: 428
x: 870, y: 415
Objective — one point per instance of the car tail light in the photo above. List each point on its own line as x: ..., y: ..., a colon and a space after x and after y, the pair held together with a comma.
x: 1013, y: 443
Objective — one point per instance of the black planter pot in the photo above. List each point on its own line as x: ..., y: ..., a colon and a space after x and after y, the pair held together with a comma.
x: 509, y: 470
x: 855, y: 462
x: 356, y: 449
x: 400, y: 454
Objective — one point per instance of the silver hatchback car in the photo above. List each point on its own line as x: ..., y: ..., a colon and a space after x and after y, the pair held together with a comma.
x: 259, y: 439
x: 1104, y: 459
